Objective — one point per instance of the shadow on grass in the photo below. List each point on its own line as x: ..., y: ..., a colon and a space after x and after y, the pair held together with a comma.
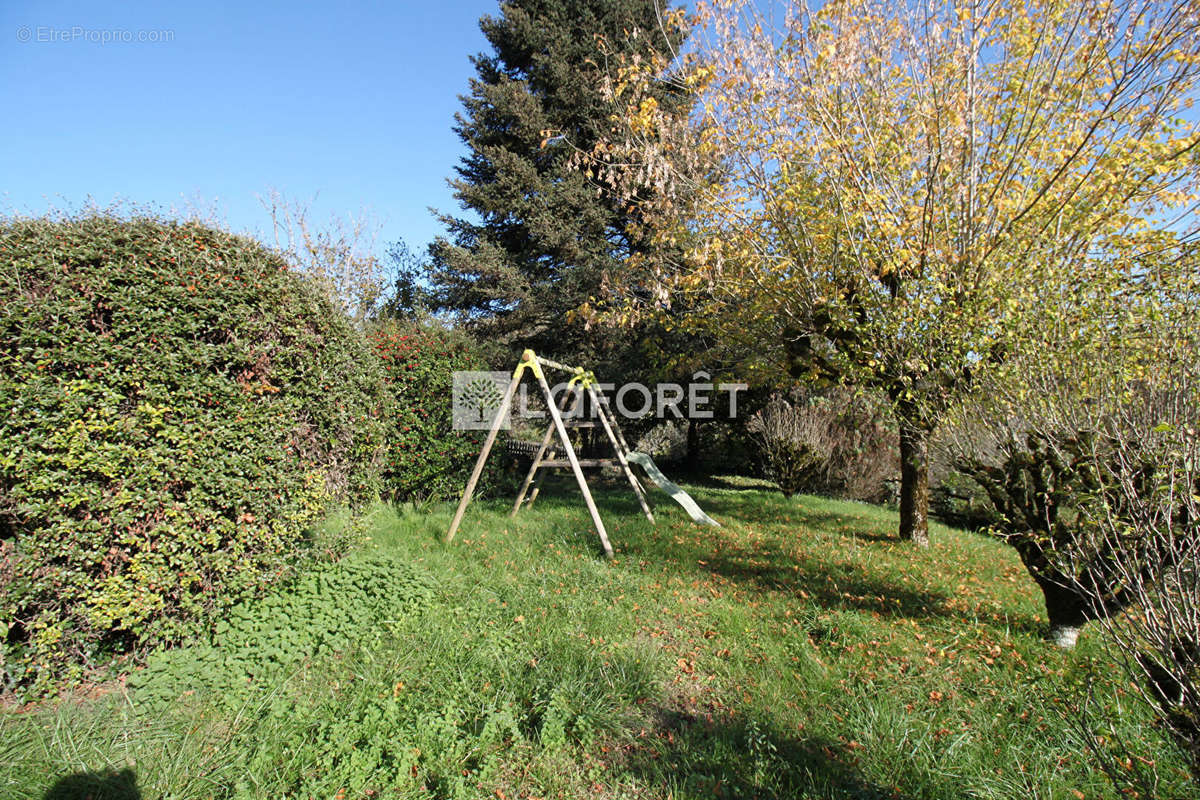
x: 769, y: 509
x: 841, y: 584
x: 831, y: 585
x: 107, y: 785
x: 731, y: 758
x: 730, y: 483
x: 834, y: 585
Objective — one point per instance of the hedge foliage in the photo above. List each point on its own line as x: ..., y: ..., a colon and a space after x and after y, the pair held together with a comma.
x: 426, y: 458
x: 176, y: 409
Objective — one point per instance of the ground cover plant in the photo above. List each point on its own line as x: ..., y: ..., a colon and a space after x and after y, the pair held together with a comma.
x: 798, y: 651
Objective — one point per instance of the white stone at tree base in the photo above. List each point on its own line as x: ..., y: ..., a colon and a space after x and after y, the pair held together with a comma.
x: 1064, y: 635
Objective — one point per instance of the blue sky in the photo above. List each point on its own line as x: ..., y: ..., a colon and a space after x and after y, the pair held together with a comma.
x: 351, y: 103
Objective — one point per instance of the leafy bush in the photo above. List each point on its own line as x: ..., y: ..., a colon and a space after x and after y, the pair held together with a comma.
x: 319, y: 687
x: 176, y: 409
x: 426, y: 458
x: 666, y: 442
x: 959, y: 501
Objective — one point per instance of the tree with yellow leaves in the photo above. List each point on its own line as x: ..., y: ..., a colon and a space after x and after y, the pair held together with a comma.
x: 889, y: 195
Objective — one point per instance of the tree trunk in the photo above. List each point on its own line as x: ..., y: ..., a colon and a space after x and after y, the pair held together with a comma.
x: 1066, y: 611
x: 692, y: 456
x: 914, y: 484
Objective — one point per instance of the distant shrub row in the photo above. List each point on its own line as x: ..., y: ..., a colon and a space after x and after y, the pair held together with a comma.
x: 177, y: 410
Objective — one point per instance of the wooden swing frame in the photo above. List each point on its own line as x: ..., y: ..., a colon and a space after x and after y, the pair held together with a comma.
x: 582, y: 381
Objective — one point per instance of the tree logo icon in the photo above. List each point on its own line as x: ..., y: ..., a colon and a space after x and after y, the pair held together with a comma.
x: 484, y: 395
x: 477, y: 399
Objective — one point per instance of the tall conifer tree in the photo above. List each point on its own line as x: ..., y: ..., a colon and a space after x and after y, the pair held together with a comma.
x: 537, y: 237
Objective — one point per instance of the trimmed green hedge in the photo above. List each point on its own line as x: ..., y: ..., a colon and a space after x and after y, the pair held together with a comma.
x: 176, y: 409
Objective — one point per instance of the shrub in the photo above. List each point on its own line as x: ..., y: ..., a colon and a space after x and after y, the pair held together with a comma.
x: 958, y: 500
x: 864, y: 465
x: 176, y: 409
x: 426, y: 458
x: 1105, y: 515
x: 1086, y: 442
x: 666, y: 442
x: 835, y: 443
x: 795, y: 440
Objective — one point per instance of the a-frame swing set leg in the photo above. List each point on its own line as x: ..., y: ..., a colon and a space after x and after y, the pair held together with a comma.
x: 602, y: 413
x: 537, y: 458
x: 502, y: 412
x: 574, y: 461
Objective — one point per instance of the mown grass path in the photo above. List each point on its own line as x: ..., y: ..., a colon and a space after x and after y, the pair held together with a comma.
x: 798, y: 651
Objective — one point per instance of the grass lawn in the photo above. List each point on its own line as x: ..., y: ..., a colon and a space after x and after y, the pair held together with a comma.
x: 798, y: 651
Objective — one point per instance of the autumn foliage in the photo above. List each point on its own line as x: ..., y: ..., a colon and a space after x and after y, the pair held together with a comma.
x: 888, y: 195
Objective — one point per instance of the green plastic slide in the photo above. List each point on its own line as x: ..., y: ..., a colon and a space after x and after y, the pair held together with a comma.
x: 678, y: 495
